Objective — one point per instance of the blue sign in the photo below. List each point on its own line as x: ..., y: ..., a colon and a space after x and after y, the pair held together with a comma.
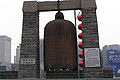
x: 114, y: 60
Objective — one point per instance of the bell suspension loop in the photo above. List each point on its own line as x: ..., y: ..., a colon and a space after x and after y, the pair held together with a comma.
x: 59, y: 15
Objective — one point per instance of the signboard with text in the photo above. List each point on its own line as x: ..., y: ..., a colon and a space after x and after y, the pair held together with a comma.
x: 114, y: 60
x: 92, y: 57
x: 27, y: 61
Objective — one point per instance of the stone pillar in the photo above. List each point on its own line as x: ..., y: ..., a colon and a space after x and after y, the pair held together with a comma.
x: 90, y: 40
x: 29, y: 53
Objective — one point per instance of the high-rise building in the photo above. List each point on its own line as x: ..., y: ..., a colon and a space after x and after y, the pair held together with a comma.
x: 104, y: 55
x: 5, y: 52
x: 41, y: 54
x: 111, y: 58
x: 15, y: 66
x: 15, y: 59
x: 17, y: 54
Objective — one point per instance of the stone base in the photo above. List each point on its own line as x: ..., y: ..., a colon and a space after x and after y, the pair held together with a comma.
x: 107, y: 74
x: 91, y: 73
x: 61, y: 75
x: 8, y: 75
x: 96, y: 73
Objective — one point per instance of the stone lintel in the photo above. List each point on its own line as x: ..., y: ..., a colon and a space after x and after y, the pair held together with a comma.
x: 64, y: 5
x: 33, y: 6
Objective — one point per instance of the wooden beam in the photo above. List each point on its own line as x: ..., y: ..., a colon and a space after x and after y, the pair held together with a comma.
x: 64, y: 5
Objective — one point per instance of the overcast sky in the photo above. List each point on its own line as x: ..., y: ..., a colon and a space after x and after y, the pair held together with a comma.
x: 108, y: 16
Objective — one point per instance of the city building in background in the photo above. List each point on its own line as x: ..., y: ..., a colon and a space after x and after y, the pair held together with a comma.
x: 111, y: 58
x: 41, y: 54
x: 5, y: 52
x: 2, y: 68
x: 15, y: 66
x: 17, y: 57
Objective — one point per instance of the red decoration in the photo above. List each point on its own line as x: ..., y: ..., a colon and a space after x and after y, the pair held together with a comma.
x: 80, y: 35
x: 80, y: 26
x: 81, y: 63
x: 80, y: 54
x: 80, y: 44
x: 79, y: 17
